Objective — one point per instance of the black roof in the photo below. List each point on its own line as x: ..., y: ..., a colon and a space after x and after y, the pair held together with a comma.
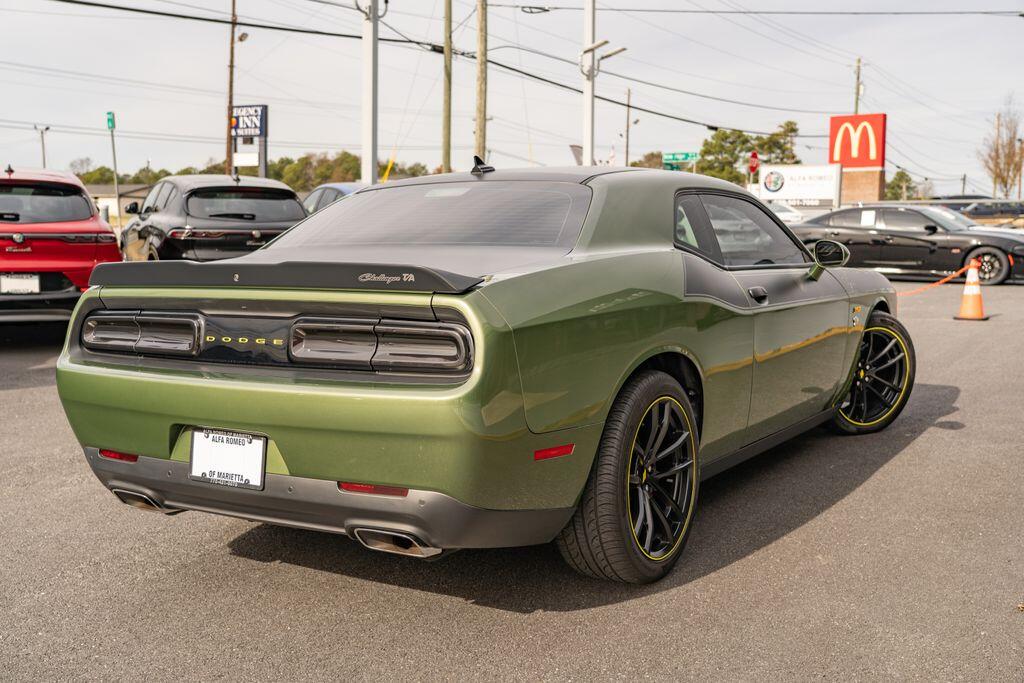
x: 565, y: 174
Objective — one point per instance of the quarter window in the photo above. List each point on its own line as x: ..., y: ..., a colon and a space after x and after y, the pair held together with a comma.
x: 854, y: 218
x: 747, y: 236
x: 692, y: 229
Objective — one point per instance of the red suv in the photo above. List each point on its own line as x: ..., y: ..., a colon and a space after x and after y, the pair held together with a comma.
x: 51, y: 237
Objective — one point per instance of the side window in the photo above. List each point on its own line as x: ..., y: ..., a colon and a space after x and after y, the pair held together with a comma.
x: 747, y: 236
x: 330, y: 196
x: 692, y: 228
x: 309, y: 203
x: 149, y: 203
x: 166, y: 198
x: 903, y: 219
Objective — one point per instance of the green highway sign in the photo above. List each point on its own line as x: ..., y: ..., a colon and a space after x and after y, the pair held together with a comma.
x: 110, y: 120
x: 680, y: 157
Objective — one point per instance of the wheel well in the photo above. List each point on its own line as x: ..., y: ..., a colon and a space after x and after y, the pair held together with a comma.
x: 882, y: 306
x: 684, y: 371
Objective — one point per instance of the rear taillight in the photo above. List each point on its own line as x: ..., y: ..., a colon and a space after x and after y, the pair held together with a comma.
x: 143, y: 333
x: 354, y: 487
x: 388, y: 345
x: 106, y: 238
x: 118, y: 455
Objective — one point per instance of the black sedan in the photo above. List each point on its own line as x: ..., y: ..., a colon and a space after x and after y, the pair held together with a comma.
x: 915, y: 241
x: 208, y: 217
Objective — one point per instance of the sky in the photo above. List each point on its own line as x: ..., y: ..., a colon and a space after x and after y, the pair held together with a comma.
x: 939, y: 79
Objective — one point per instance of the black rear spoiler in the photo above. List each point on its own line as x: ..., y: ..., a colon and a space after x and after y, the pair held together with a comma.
x: 287, y: 274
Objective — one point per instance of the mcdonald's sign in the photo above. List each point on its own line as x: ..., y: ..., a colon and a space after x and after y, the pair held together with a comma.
x: 857, y: 141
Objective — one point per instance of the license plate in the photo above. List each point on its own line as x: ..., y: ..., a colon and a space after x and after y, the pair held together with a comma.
x: 228, y: 458
x: 19, y: 283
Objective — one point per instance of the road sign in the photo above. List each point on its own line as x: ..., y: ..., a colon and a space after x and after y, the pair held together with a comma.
x: 755, y: 163
x: 110, y: 120
x: 680, y: 157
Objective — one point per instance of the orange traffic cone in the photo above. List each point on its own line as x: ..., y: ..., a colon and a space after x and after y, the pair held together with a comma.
x: 971, y: 307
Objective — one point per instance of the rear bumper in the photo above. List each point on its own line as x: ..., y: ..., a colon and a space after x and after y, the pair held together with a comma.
x: 437, y: 519
x: 42, y: 307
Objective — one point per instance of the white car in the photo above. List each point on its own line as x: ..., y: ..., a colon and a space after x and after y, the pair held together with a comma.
x: 786, y: 213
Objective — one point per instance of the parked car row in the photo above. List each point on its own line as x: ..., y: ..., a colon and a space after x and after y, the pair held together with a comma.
x: 52, y: 235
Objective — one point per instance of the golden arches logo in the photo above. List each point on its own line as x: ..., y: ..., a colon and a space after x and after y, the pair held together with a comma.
x: 854, y: 134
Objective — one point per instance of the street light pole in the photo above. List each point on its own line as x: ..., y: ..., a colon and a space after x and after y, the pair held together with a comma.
x: 446, y: 113
x: 111, y: 124
x: 588, y: 65
x: 369, y: 155
x: 856, y: 90
x: 42, y: 140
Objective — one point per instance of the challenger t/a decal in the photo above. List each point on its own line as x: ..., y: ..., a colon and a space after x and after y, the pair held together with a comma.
x: 386, y: 278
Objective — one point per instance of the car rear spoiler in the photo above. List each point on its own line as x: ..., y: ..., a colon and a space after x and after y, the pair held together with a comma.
x: 287, y: 274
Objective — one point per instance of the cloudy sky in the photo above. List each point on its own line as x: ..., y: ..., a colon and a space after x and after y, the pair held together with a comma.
x: 940, y: 79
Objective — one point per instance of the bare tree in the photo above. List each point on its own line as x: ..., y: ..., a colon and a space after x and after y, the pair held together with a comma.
x: 80, y: 166
x: 1002, y: 153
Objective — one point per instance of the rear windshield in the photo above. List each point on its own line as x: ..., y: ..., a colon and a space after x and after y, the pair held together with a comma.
x: 500, y: 213
x: 245, y: 204
x: 42, y: 203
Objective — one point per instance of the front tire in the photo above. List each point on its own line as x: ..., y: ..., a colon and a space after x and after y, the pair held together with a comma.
x: 995, y: 266
x: 637, y: 508
x: 883, y: 377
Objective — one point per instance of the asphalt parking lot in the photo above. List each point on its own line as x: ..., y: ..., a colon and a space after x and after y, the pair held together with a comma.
x: 899, y: 554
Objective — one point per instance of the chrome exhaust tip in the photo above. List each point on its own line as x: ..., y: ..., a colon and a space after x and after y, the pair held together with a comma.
x: 142, y: 501
x: 395, y: 542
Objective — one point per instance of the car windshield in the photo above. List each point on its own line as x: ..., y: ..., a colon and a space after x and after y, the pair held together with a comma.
x: 947, y: 218
x: 499, y: 213
x: 245, y: 204
x: 42, y: 203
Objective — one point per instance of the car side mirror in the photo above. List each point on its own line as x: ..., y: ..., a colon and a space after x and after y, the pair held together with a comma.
x: 827, y: 254
x: 931, y: 229
x: 133, y: 207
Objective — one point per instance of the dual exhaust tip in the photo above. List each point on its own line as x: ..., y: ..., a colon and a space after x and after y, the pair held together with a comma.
x: 381, y: 540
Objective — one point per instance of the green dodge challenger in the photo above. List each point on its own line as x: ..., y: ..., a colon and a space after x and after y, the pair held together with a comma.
x: 487, y: 359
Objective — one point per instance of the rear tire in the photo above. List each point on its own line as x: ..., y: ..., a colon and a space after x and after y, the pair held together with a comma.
x: 995, y: 266
x: 637, y: 509
x: 882, y: 378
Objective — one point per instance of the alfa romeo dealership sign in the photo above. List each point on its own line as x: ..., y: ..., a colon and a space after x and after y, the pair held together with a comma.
x: 800, y: 185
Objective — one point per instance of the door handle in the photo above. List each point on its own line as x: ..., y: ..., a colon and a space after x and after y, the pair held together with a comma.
x: 758, y: 294
x: 877, y: 240
x: 834, y: 233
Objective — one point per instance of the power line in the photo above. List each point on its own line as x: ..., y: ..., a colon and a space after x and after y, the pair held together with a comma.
x: 422, y: 43
x: 540, y: 9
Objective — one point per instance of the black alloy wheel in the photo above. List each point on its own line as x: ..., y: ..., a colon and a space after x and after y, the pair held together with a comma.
x: 883, y: 376
x: 661, y: 481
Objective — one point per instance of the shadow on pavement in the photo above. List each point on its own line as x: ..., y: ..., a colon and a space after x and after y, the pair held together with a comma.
x: 741, y: 511
x: 28, y: 352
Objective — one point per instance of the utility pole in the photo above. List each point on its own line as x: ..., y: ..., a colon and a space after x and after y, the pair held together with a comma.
x: 1020, y: 167
x: 588, y: 64
x: 42, y: 140
x: 963, y: 184
x: 113, y: 152
x: 229, y: 156
x: 369, y: 161
x: 856, y: 91
x: 446, y: 114
x: 481, y: 79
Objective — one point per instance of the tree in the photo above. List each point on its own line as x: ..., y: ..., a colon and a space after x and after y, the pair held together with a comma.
x: 1002, y: 152
x: 721, y: 154
x: 649, y: 160
x: 779, y: 147
x: 103, y: 175
x: 900, y: 187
